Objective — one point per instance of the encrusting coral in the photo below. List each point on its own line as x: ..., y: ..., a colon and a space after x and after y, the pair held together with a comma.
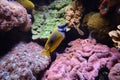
x: 115, y: 72
x: 73, y: 15
x: 23, y: 62
x: 115, y: 35
x: 82, y: 60
x: 13, y: 15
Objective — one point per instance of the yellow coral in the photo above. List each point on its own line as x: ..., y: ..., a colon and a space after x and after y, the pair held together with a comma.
x: 86, y: 18
x: 97, y: 25
x: 97, y: 22
x: 27, y: 4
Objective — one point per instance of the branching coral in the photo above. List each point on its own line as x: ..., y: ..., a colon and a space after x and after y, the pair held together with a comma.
x: 12, y: 15
x: 24, y: 62
x: 73, y: 15
x: 115, y: 35
x: 47, y: 19
x: 82, y: 61
x: 115, y: 72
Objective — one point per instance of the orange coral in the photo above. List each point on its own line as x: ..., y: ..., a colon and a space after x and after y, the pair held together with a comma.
x: 73, y: 15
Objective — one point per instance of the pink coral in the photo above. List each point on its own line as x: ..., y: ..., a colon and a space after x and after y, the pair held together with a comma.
x: 115, y: 72
x: 12, y: 15
x: 82, y: 60
x: 107, y: 5
x: 24, y: 62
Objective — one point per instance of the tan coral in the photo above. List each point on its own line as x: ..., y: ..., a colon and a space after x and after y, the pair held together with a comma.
x: 115, y: 35
x: 73, y: 15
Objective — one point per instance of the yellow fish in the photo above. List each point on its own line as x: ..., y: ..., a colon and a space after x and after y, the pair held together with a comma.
x: 26, y: 4
x: 54, y: 39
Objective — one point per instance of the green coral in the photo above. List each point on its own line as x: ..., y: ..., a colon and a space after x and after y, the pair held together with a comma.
x: 97, y: 22
x: 58, y: 4
x: 46, y: 20
x: 86, y: 18
x: 98, y: 25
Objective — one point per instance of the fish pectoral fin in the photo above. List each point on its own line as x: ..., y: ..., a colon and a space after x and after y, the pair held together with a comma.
x: 46, y: 52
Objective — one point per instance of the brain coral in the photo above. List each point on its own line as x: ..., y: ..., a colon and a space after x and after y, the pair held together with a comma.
x: 24, y: 62
x: 82, y: 61
x: 13, y: 15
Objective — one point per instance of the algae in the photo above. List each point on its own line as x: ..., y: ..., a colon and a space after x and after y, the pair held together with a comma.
x: 50, y: 17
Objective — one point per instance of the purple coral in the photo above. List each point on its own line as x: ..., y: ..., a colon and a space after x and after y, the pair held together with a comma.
x: 115, y: 72
x: 82, y: 60
x: 12, y: 15
x: 24, y: 62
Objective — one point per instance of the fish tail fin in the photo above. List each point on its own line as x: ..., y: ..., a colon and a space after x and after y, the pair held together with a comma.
x: 46, y: 52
